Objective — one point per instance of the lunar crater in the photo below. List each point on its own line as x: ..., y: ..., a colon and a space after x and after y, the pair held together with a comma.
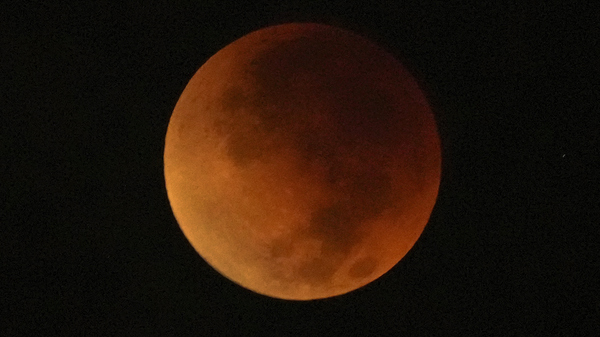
x: 363, y: 267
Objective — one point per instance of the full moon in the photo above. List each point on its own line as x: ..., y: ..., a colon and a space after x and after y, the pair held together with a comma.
x: 302, y: 161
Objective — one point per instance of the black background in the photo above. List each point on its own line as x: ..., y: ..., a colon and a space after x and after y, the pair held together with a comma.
x: 90, y: 245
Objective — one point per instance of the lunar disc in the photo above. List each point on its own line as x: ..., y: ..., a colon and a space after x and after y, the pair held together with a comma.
x: 302, y: 161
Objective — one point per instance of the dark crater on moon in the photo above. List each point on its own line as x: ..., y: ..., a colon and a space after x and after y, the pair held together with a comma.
x: 363, y: 267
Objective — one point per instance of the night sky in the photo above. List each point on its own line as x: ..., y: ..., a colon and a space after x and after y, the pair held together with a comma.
x: 89, y: 243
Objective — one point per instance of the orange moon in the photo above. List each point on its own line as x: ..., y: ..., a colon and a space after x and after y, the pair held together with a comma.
x: 302, y: 161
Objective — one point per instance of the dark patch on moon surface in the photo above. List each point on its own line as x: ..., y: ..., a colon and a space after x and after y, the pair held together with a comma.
x: 293, y: 83
x: 246, y: 141
x: 276, y: 69
x: 318, y: 270
x: 363, y: 267
x: 281, y: 247
x: 336, y: 226
x: 368, y: 195
x: 366, y: 115
x: 232, y: 100
x: 244, y: 148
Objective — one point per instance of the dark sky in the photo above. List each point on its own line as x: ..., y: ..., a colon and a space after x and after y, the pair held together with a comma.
x: 90, y: 245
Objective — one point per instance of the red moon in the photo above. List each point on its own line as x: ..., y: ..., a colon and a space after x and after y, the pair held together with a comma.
x: 302, y: 161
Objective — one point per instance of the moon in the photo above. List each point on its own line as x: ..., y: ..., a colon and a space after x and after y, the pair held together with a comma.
x: 302, y: 161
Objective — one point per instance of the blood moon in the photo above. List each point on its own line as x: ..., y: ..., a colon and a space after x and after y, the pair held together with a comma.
x: 302, y: 161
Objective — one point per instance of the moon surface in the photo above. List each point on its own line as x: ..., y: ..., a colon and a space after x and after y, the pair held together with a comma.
x: 302, y: 161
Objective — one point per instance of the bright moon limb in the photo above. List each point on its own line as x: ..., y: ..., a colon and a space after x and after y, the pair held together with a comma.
x: 302, y: 161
